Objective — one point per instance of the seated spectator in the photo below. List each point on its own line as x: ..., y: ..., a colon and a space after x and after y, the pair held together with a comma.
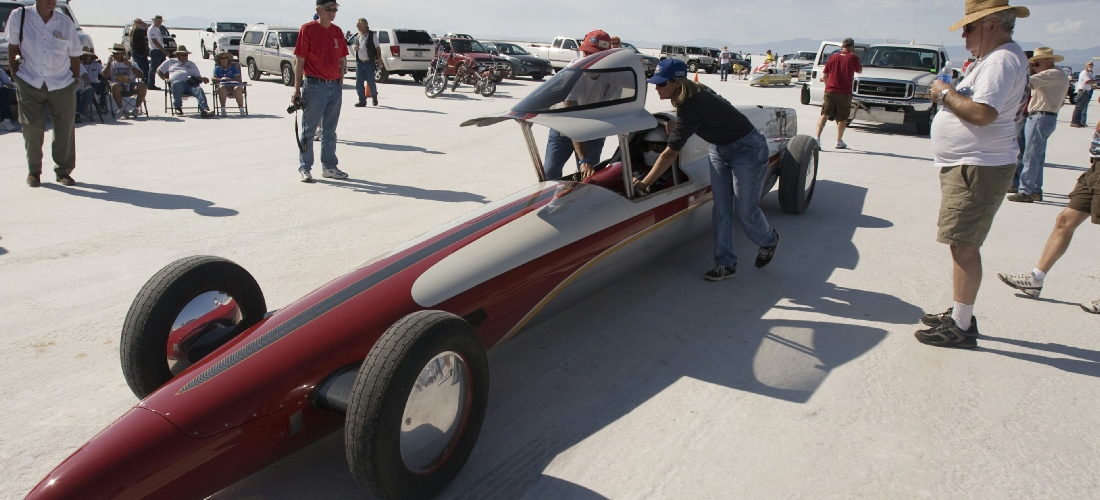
x: 92, y: 65
x: 125, y: 80
x: 183, y: 77
x: 227, y: 74
x: 7, y: 92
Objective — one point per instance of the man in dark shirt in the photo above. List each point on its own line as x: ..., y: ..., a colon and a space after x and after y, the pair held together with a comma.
x: 139, y: 46
x: 838, y: 76
x: 321, y: 54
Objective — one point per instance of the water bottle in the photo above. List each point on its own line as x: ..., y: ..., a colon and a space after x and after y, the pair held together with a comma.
x: 945, y: 74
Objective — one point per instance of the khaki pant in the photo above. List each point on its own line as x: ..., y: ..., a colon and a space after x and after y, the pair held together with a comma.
x: 61, y: 103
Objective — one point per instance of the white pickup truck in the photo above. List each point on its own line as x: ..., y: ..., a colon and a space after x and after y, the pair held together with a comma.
x: 560, y: 52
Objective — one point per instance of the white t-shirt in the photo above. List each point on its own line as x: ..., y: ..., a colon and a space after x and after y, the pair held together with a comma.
x: 155, y: 33
x: 121, y: 72
x: 724, y: 57
x: 1082, y: 85
x: 93, y: 68
x: 178, y: 71
x: 46, y: 47
x: 998, y: 80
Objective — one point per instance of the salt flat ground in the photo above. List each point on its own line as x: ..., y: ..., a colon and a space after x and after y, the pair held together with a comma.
x: 799, y: 380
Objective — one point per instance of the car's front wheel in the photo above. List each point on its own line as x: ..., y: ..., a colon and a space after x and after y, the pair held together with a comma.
x: 417, y: 406
x: 253, y: 70
x: 537, y: 76
x: 202, y: 49
x: 924, y: 122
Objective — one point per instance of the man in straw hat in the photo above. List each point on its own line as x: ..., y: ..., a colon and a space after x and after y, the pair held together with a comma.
x: 183, y: 76
x: 974, y: 144
x: 157, y: 52
x: 1049, y: 86
x: 44, y: 58
x: 1085, y: 82
x: 124, y: 79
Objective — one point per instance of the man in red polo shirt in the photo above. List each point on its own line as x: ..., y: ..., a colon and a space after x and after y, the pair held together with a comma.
x: 318, y: 78
x: 838, y: 75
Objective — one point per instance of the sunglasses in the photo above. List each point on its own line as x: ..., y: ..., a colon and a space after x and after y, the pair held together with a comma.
x: 331, y: 9
x: 970, y: 27
x: 659, y: 85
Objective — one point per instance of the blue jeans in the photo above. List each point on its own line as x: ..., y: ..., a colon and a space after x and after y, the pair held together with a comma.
x: 84, y: 99
x: 1036, y: 132
x: 322, y: 107
x: 1081, y: 109
x: 142, y: 63
x: 724, y: 70
x: 364, y: 71
x: 558, y: 149
x: 181, y: 88
x: 156, y: 57
x: 737, y: 172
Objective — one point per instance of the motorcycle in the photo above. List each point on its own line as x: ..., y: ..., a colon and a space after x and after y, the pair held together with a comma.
x: 436, y: 81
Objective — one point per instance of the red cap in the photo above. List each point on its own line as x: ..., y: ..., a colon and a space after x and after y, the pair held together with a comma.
x: 596, y: 41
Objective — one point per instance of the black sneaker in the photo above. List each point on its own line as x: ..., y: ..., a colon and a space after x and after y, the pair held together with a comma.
x: 720, y: 273
x: 934, y: 320
x: 374, y: 101
x: 66, y: 180
x: 948, y: 334
x: 766, y: 253
x: 361, y: 104
x: 34, y: 180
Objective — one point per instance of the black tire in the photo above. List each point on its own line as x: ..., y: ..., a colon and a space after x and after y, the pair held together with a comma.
x: 488, y: 88
x: 1073, y: 98
x: 805, y: 94
x: 381, y: 74
x: 418, y: 76
x: 798, y: 174
x: 376, y: 408
x: 202, y: 49
x: 156, y: 307
x: 253, y: 70
x: 924, y: 121
x: 537, y: 76
x: 287, y: 74
x: 693, y: 67
x: 435, y: 85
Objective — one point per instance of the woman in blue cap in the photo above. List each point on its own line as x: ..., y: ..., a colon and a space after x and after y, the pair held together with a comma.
x: 738, y: 163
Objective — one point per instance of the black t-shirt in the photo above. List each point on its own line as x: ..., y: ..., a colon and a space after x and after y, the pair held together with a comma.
x: 139, y: 41
x: 709, y: 116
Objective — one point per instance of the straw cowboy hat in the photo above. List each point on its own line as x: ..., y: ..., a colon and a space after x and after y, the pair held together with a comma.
x: 118, y: 47
x: 977, y: 9
x: 88, y: 51
x: 182, y: 49
x: 1045, y: 53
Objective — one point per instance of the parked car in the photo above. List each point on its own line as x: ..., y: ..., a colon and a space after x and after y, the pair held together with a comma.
x: 562, y: 51
x: 404, y: 52
x: 695, y: 58
x: 794, y: 64
x: 221, y: 37
x: 394, y: 351
x: 7, y: 6
x: 470, y: 52
x: 649, y: 63
x: 523, y: 63
x: 1071, y: 93
x: 769, y: 77
x: 269, y: 50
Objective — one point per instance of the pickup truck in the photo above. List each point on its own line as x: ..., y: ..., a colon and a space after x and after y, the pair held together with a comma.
x: 221, y: 37
x: 560, y: 52
x: 269, y: 50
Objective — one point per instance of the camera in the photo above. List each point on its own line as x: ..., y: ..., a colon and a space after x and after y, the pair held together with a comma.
x: 295, y: 106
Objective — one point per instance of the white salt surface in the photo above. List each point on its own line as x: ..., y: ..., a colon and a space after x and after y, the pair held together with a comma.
x: 799, y: 380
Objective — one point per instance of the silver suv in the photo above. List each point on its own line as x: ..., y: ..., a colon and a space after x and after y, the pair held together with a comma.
x: 269, y: 50
x: 7, y: 6
x: 695, y: 58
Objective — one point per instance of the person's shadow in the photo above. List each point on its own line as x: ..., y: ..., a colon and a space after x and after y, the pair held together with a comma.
x: 776, y: 332
x: 388, y: 147
x: 144, y: 199
x: 371, y: 187
x: 1087, y: 361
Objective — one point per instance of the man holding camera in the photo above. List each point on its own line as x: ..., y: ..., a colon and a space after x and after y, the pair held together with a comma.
x: 184, y: 78
x: 318, y: 76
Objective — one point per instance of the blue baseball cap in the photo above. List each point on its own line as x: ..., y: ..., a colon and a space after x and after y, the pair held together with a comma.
x: 667, y: 70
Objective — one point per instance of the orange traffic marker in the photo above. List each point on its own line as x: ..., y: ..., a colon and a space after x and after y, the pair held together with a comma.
x: 696, y: 77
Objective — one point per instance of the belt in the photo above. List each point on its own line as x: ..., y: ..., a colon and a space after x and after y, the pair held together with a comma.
x: 1050, y: 113
x: 321, y: 80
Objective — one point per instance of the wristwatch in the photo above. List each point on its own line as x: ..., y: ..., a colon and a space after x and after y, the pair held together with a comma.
x: 942, y: 95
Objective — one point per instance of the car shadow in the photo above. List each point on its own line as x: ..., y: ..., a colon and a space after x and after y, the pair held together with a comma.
x: 144, y: 199
x: 776, y: 332
x: 388, y: 147
x: 371, y: 187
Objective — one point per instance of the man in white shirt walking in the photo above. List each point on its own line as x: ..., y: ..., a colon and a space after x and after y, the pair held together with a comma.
x: 47, y: 80
x: 1085, y: 82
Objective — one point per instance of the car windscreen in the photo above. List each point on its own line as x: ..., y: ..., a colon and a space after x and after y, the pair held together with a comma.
x: 420, y: 37
x: 579, y: 89
x: 465, y: 45
x: 288, y: 39
x: 5, y: 12
x: 511, y: 49
x: 901, y: 58
x: 231, y: 27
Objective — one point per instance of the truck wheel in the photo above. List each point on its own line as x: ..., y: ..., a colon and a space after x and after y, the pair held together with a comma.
x: 381, y: 75
x: 924, y: 122
x: 287, y: 75
x: 417, y: 406
x: 185, y: 311
x: 202, y: 49
x: 418, y: 76
x: 253, y: 70
x: 1073, y: 98
x: 693, y: 67
x: 798, y: 174
x: 537, y: 77
x: 805, y: 94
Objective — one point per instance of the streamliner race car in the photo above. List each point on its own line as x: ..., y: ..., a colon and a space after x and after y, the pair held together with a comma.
x: 395, y: 351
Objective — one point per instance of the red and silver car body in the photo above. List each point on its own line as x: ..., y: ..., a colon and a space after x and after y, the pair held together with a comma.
x: 283, y: 383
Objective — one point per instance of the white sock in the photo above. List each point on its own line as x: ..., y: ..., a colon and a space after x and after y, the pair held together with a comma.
x: 1039, y: 275
x: 963, y: 314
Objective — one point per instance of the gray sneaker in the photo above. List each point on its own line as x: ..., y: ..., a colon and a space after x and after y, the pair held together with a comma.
x: 937, y: 319
x: 333, y: 173
x: 1092, y: 307
x: 720, y: 273
x: 306, y: 176
x: 1025, y: 282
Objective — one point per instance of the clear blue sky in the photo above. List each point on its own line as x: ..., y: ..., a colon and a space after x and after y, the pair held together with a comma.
x: 1060, y: 24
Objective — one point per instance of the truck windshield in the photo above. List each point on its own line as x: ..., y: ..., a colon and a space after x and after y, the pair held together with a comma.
x: 901, y: 58
x: 5, y: 12
x: 578, y: 89
x: 230, y: 27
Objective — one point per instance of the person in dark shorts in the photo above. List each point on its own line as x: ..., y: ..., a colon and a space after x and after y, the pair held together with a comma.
x: 838, y: 75
x: 1084, y: 203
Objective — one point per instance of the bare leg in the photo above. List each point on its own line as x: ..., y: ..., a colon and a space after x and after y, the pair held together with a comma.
x: 223, y: 93
x: 1067, y: 222
x: 967, y: 273
x: 116, y: 91
x: 238, y: 94
x: 840, y: 126
x: 821, y: 124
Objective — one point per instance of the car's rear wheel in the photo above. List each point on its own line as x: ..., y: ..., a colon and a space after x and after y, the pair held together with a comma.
x: 202, y: 49
x: 287, y: 74
x: 805, y: 94
x: 693, y: 67
x: 418, y: 76
x: 537, y: 76
x: 253, y: 70
x: 185, y: 311
x: 798, y: 174
x: 381, y: 74
x: 417, y: 406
